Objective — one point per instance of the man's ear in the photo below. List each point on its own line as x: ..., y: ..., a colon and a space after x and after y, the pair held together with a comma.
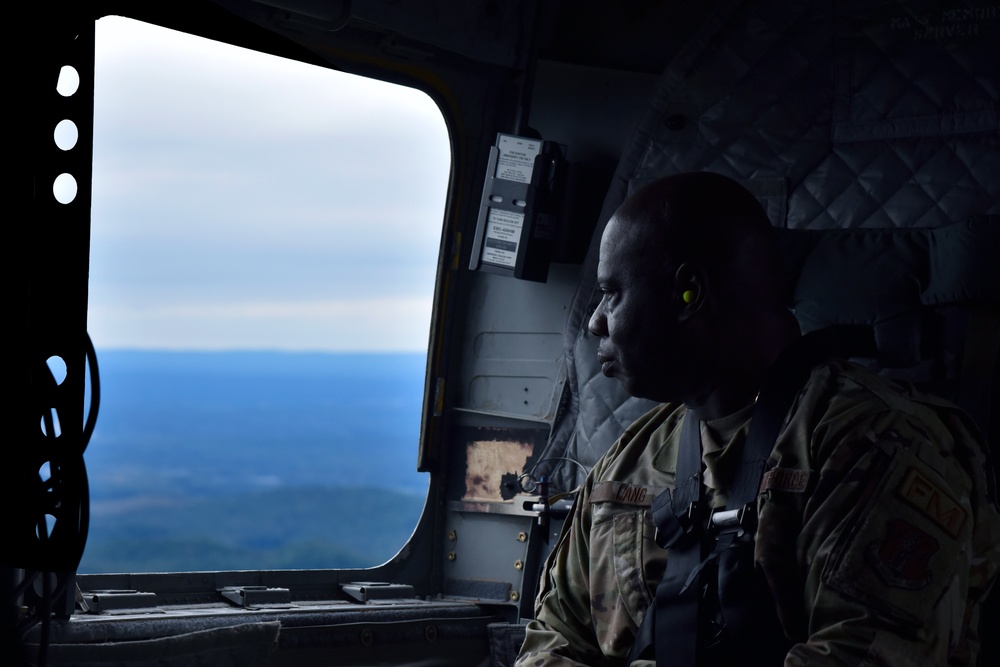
x: 690, y: 289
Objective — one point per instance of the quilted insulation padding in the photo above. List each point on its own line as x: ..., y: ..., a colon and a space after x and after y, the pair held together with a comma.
x: 837, y: 115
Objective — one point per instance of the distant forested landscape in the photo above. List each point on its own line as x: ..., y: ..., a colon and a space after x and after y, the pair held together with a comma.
x: 253, y: 460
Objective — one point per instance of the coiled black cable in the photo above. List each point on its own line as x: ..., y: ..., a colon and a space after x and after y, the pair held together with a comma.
x: 65, y: 495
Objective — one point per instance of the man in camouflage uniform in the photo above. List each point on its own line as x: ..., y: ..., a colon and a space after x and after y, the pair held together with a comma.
x: 877, y: 534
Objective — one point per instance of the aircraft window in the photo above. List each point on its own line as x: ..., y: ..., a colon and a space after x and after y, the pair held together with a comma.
x: 264, y: 244
x: 68, y: 82
x: 66, y: 134
x: 57, y: 367
x: 64, y: 188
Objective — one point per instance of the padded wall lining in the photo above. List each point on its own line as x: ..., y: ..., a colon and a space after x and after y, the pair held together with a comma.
x: 866, y: 114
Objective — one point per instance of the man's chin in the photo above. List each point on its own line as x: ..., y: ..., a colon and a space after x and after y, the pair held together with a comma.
x: 628, y: 383
x: 638, y: 390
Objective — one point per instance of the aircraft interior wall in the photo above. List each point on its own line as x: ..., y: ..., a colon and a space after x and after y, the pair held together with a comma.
x: 876, y: 123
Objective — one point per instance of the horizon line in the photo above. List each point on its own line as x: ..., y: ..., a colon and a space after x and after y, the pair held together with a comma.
x: 257, y: 350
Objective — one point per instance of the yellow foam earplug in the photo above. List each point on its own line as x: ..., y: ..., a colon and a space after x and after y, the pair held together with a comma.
x: 688, y: 295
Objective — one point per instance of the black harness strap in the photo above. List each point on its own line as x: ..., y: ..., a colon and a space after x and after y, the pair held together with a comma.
x: 671, y: 626
x: 676, y: 515
x: 676, y: 612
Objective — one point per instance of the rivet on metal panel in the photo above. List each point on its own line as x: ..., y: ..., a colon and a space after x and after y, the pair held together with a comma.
x: 451, y: 555
x: 522, y: 536
x: 514, y: 596
x: 518, y: 565
x: 366, y: 637
x: 431, y: 633
x: 452, y: 535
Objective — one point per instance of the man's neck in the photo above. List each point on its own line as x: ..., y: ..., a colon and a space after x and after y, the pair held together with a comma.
x: 725, y: 400
x: 738, y: 381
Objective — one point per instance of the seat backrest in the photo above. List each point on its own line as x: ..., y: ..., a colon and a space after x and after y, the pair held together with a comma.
x: 932, y: 296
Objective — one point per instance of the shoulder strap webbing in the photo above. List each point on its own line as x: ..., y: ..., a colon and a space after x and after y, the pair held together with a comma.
x: 783, y: 382
x: 676, y: 610
x: 675, y: 515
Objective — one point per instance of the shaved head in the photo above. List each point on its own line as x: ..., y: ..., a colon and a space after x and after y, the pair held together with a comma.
x: 694, y: 294
x: 715, y: 222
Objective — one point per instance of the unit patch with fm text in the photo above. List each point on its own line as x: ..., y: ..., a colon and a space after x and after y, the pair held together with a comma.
x: 932, y: 501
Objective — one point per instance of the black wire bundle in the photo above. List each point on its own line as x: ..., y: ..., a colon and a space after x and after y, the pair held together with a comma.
x: 51, y: 556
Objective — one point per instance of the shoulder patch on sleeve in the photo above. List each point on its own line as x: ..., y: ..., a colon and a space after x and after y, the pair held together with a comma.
x: 902, y: 543
x: 902, y: 557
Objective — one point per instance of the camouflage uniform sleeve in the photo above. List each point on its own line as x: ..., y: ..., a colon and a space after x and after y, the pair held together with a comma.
x: 593, y: 592
x: 899, y: 541
x: 562, y: 632
x: 600, y: 578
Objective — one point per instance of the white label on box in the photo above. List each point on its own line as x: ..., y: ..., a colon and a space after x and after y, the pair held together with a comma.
x: 503, y: 233
x: 517, y: 157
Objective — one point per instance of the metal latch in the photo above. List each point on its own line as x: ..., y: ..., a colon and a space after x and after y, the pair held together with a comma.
x: 367, y: 591
x: 112, y: 600
x: 671, y: 526
x: 740, y: 520
x: 546, y: 506
x: 257, y: 596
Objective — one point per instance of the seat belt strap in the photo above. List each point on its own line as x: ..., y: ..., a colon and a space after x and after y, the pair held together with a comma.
x: 784, y: 381
x: 787, y: 376
x: 678, y: 521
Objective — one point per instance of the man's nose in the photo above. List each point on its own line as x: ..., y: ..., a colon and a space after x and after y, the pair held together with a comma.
x: 598, y: 324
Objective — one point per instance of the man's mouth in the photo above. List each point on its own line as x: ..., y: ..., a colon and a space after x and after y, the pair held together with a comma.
x: 607, y: 363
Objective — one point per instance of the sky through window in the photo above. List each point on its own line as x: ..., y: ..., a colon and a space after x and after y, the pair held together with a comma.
x: 244, y: 201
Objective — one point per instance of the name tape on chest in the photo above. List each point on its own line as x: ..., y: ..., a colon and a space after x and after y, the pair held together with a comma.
x: 622, y: 493
x: 785, y: 479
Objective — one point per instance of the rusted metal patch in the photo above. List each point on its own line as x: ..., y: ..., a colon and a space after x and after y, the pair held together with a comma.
x: 486, y: 463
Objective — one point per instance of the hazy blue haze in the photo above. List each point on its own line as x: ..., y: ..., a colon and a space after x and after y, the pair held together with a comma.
x: 233, y: 460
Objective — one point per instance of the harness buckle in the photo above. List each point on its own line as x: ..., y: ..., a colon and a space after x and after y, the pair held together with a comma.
x: 740, y: 520
x: 689, y: 518
x: 671, y: 528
